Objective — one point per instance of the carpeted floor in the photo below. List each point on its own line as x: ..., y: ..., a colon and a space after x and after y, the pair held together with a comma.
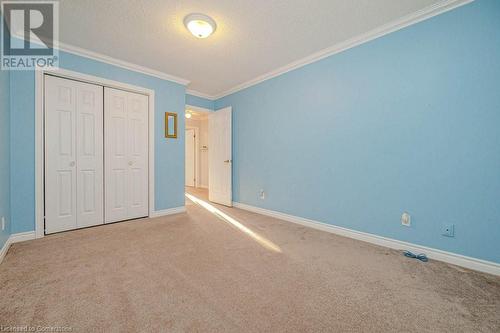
x: 235, y: 271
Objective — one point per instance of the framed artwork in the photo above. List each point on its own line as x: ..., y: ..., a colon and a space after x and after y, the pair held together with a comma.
x: 171, y: 125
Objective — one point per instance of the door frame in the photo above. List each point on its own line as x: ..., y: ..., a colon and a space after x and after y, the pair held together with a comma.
x: 197, y: 142
x: 196, y: 154
x: 40, y: 135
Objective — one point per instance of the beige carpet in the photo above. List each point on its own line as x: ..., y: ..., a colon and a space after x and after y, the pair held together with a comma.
x: 198, y: 272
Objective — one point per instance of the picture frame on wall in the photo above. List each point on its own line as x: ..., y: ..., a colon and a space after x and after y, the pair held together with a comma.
x: 171, y: 125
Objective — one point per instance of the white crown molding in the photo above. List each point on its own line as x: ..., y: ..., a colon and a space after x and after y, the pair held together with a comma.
x: 115, y: 62
x: 413, y: 18
x: 200, y: 94
x: 170, y: 211
x: 121, y: 63
x: 405, y: 21
x: 16, y: 238
x: 448, y: 257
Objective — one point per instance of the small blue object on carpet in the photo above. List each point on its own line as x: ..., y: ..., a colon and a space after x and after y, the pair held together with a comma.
x: 421, y: 256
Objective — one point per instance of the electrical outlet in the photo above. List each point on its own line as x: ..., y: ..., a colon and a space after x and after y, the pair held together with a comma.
x: 262, y: 194
x: 406, y: 219
x: 3, y: 223
x: 448, y: 230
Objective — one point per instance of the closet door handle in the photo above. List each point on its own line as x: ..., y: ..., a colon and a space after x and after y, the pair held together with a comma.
x: 130, y: 163
x: 72, y: 163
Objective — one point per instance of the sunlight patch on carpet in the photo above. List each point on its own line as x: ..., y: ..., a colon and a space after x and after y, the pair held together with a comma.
x: 226, y: 218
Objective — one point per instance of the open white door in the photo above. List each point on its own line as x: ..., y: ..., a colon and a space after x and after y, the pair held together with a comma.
x: 220, y: 157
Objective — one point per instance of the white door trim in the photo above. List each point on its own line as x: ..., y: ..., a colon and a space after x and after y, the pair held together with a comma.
x: 197, y: 142
x: 39, y: 134
x: 196, y: 154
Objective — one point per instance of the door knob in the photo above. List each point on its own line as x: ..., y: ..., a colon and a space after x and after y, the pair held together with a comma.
x: 227, y: 161
x: 72, y: 163
x: 130, y: 163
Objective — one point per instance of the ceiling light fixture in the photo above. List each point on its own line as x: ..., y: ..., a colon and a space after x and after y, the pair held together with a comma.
x: 200, y: 25
x: 188, y: 115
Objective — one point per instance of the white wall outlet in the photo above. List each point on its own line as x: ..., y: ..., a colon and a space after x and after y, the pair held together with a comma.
x: 406, y: 219
x: 3, y: 223
x: 262, y: 194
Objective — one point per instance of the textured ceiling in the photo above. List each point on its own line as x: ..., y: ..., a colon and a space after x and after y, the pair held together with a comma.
x: 253, y: 37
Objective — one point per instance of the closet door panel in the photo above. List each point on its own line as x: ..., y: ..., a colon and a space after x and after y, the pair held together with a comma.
x: 116, y: 155
x: 73, y: 154
x: 90, y: 178
x: 60, y: 155
x: 138, y: 154
x: 126, y: 151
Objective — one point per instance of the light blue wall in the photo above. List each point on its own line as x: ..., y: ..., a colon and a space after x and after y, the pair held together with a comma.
x: 4, y: 153
x: 169, y: 153
x: 199, y: 101
x: 407, y: 122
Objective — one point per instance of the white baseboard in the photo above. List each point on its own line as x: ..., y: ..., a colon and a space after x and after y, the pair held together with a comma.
x: 25, y: 236
x: 22, y: 236
x: 4, y: 249
x: 16, y: 238
x: 170, y: 211
x: 448, y: 257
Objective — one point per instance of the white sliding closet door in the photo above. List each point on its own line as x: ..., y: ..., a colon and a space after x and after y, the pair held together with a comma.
x: 73, y: 154
x: 126, y: 155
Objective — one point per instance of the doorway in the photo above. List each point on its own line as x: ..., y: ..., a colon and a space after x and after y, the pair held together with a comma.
x: 208, y: 158
x: 196, y: 145
x: 191, y: 139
